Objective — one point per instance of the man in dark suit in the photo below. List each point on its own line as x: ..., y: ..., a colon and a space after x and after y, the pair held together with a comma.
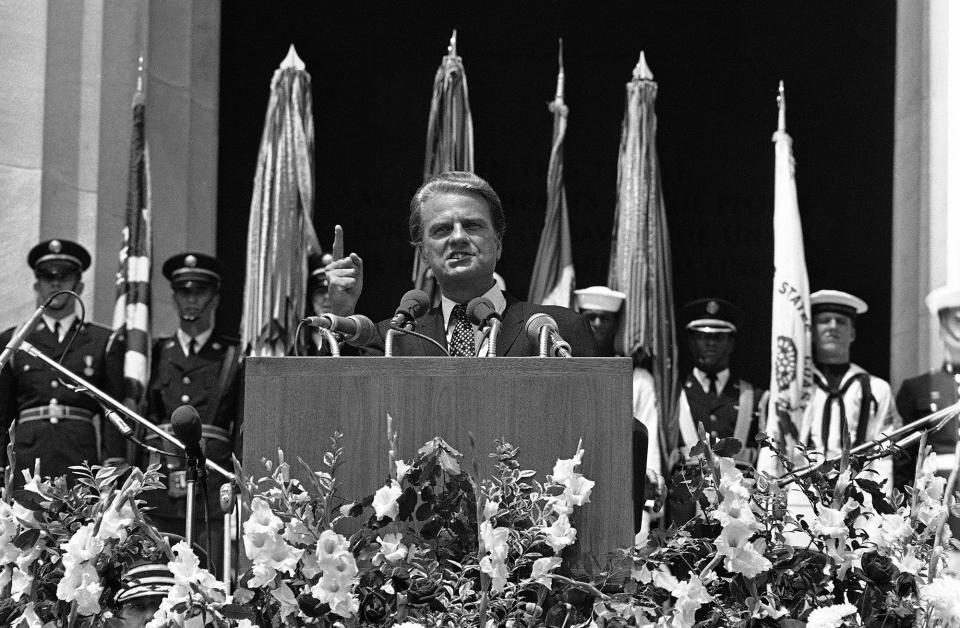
x: 457, y: 225
x: 54, y: 424
x: 935, y: 390
x: 711, y: 395
x: 198, y: 366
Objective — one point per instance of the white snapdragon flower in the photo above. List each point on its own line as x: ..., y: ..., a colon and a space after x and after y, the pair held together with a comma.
x: 264, y: 545
x: 577, y: 490
x: 542, y: 568
x: 402, y: 469
x: 563, y: 470
x: 560, y: 534
x: 909, y: 563
x: 392, y: 549
x: 385, y: 500
x: 830, y: 616
x: 330, y: 546
x: 691, y: 595
x: 740, y: 554
x: 496, y: 569
x: 114, y: 523
x: 81, y: 582
x: 831, y: 522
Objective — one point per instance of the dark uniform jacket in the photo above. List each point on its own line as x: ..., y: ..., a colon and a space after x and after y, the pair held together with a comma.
x: 513, y: 340
x: 717, y: 414
x: 210, y: 381
x: 26, y: 383
x: 919, y: 397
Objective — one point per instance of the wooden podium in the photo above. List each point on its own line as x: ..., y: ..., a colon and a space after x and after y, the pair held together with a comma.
x: 543, y: 406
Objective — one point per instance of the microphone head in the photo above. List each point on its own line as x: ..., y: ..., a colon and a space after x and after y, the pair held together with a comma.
x: 187, y: 426
x: 416, y: 303
x: 536, y: 322
x: 366, y: 331
x: 480, y: 309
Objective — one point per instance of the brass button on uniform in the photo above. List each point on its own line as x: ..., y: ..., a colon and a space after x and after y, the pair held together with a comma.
x: 186, y: 380
x: 54, y: 383
x: 54, y: 420
x: 185, y: 398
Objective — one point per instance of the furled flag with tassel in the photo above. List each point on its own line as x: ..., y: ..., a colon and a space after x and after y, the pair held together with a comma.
x: 449, y: 138
x: 132, y: 307
x: 791, y: 368
x: 553, y: 277
x: 640, y: 263
x: 281, y: 234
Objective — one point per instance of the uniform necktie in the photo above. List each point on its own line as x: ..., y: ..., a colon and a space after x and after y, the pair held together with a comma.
x: 56, y: 330
x: 193, y: 347
x: 462, y: 342
x: 712, y: 391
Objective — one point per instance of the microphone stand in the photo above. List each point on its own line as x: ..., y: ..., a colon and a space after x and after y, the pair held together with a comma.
x: 331, y: 340
x: 495, y: 325
x: 911, y: 431
x: 114, y: 405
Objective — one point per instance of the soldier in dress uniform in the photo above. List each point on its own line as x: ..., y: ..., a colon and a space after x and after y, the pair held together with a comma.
x: 197, y: 366
x: 711, y: 395
x: 935, y: 390
x: 53, y: 423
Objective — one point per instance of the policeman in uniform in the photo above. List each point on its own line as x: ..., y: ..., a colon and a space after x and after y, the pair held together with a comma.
x: 935, y: 390
x: 711, y: 395
x: 53, y: 423
x: 200, y: 367
x: 601, y: 307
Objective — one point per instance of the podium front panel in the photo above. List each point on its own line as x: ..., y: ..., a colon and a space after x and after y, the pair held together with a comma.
x: 542, y: 406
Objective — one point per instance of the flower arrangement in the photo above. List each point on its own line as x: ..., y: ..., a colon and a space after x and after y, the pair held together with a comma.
x: 440, y: 546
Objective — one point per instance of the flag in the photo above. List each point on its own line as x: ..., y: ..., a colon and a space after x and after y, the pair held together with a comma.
x: 640, y: 263
x: 553, y: 276
x: 449, y: 138
x: 280, y: 235
x: 131, y: 312
x: 791, y: 357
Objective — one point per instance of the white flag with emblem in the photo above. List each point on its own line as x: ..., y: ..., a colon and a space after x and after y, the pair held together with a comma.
x: 791, y: 365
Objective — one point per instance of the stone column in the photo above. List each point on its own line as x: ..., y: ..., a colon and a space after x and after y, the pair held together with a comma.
x: 926, y: 183
x: 71, y: 71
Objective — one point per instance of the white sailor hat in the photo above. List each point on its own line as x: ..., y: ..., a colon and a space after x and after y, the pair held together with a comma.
x: 943, y: 298
x: 144, y: 579
x: 599, y: 298
x: 837, y: 301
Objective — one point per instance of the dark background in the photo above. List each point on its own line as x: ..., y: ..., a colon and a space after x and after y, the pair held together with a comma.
x: 717, y: 66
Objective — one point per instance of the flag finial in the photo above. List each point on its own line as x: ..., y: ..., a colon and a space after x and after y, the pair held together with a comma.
x: 642, y: 71
x: 292, y: 60
x: 560, y: 74
x: 452, y: 48
x: 782, y: 105
x: 140, y: 73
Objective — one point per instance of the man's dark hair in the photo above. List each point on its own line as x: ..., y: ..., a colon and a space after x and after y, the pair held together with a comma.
x: 455, y: 182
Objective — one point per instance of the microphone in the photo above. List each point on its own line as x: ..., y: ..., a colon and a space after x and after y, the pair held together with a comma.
x: 21, y: 334
x: 357, y: 330
x: 414, y: 304
x: 481, y: 312
x: 556, y: 346
x: 186, y: 425
x: 125, y: 430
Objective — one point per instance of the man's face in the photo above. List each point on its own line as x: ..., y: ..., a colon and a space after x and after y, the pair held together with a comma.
x: 196, y: 303
x: 320, y: 300
x: 603, y: 324
x: 53, y: 277
x: 459, y: 242
x: 711, y: 350
x: 833, y: 333
x: 950, y: 329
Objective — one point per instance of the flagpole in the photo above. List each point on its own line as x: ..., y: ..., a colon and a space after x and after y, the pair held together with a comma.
x: 782, y: 106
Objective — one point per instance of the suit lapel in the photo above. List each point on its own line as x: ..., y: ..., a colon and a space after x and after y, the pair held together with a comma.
x: 431, y: 325
x: 513, y: 320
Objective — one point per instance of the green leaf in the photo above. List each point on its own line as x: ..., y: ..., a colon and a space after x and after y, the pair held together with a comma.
x: 27, y: 538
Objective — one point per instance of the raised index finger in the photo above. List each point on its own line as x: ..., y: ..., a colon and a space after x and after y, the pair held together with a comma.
x: 337, y: 242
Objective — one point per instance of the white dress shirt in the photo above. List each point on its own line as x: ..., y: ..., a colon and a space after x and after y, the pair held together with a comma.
x: 65, y: 324
x: 185, y: 339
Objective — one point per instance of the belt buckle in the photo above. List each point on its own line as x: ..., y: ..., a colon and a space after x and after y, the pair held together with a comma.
x: 177, y: 483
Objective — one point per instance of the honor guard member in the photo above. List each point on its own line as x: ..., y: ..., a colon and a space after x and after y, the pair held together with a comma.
x: 55, y: 424
x: 200, y: 367
x: 711, y: 394
x: 843, y: 391
x: 601, y: 307
x: 935, y: 390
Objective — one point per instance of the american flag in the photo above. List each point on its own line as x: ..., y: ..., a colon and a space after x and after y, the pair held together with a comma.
x: 132, y: 309
x: 553, y: 275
